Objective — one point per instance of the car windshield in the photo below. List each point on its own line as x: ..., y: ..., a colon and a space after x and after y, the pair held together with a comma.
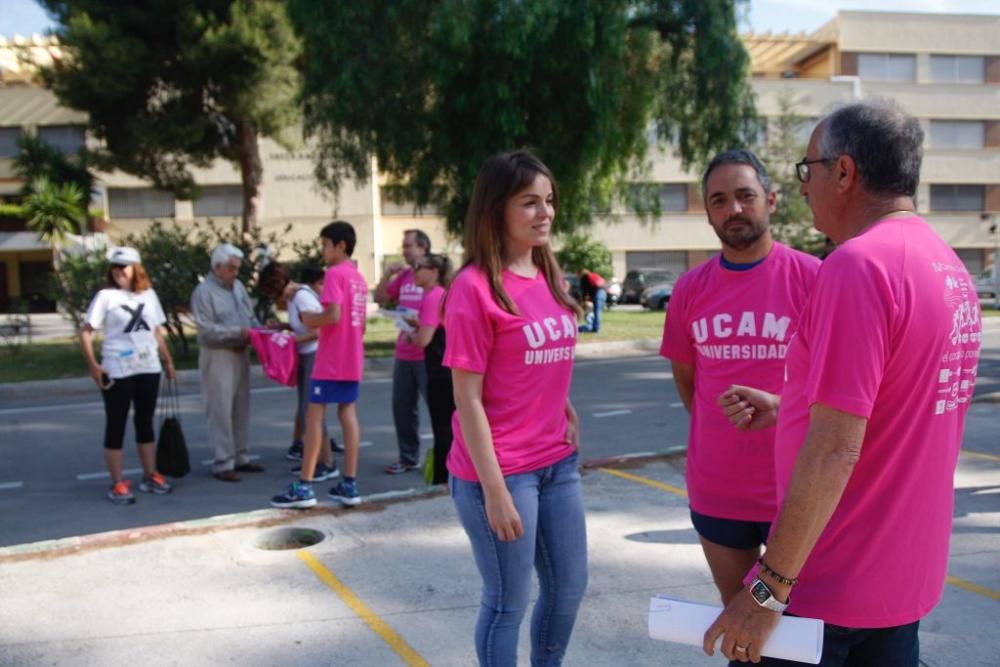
x: 654, y: 277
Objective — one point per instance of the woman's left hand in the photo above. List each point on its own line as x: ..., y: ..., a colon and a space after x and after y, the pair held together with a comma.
x: 572, y: 426
x: 168, y: 368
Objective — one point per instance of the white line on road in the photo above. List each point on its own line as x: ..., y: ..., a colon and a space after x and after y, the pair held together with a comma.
x: 208, y: 462
x: 102, y: 475
x: 11, y: 485
x: 677, y: 405
x: 612, y: 413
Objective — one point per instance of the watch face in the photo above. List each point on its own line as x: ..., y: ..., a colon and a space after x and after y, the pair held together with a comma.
x: 760, y: 592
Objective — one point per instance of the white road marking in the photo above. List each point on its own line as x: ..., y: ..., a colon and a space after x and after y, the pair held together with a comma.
x: 677, y: 405
x: 11, y: 485
x: 208, y: 462
x: 128, y: 472
x: 426, y: 436
x: 612, y: 413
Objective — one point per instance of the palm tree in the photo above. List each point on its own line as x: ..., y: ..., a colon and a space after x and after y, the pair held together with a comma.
x: 55, y: 209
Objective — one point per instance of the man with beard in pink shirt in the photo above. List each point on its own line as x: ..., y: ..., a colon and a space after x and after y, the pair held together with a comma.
x: 878, y: 381
x: 732, y: 318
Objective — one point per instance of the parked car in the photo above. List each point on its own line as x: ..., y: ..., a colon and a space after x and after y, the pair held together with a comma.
x: 986, y: 283
x: 614, y: 290
x: 638, y: 280
x: 656, y: 297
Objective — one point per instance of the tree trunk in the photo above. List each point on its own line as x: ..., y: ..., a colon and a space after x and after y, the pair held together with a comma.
x: 252, y: 173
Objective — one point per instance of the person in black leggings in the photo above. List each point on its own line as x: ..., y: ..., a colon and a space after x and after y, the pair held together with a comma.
x: 132, y: 319
x: 432, y: 273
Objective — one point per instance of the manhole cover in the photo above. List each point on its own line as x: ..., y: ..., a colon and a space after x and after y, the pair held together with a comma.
x: 280, y: 539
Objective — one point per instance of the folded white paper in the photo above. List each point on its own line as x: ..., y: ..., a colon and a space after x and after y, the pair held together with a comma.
x: 683, y: 622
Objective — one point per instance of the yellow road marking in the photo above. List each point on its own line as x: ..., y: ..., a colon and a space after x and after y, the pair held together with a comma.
x: 645, y: 480
x: 371, y: 619
x: 954, y: 581
x: 973, y: 588
x: 980, y: 455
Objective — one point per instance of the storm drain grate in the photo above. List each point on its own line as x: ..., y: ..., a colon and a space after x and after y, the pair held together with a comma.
x: 286, y: 539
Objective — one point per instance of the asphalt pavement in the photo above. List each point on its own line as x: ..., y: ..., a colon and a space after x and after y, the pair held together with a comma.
x: 178, y: 580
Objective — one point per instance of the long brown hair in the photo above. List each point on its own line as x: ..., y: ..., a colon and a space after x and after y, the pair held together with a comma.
x: 140, y: 279
x: 500, y: 178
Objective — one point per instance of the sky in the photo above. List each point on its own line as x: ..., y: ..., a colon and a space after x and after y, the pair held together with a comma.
x: 26, y: 16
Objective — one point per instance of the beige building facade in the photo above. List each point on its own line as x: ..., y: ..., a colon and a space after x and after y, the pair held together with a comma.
x: 944, y: 69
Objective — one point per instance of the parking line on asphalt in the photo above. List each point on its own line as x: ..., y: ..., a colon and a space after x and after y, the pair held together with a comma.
x: 973, y: 588
x: 645, y: 480
x: 371, y: 619
x: 128, y: 472
x: 11, y: 485
x: 981, y: 455
x: 611, y: 413
x: 677, y: 405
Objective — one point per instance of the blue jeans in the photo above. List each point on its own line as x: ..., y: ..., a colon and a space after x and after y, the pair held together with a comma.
x: 898, y: 646
x: 550, y: 504
x: 593, y: 323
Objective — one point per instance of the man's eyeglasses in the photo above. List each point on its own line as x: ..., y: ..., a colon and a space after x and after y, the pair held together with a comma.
x: 802, y: 167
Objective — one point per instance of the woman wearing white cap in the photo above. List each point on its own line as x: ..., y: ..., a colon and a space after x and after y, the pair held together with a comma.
x: 129, y: 373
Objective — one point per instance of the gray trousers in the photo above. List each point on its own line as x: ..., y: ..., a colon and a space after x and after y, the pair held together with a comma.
x: 409, y: 383
x: 225, y: 384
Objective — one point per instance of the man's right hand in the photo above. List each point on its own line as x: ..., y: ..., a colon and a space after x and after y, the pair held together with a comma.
x: 749, y: 409
x: 393, y: 268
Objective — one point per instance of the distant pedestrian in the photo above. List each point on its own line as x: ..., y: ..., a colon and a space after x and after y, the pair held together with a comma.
x: 131, y: 317
x: 594, y: 292
x: 432, y: 274
x: 409, y: 375
x: 337, y: 372
x: 275, y: 283
x: 224, y: 315
x: 512, y: 334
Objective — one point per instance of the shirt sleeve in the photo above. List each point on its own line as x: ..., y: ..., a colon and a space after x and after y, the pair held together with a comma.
x: 468, y: 327
x: 97, y: 310
x: 848, y: 331
x: 157, y: 315
x: 430, y: 309
x: 333, y: 290
x: 392, y: 289
x: 305, y: 302
x: 677, y: 343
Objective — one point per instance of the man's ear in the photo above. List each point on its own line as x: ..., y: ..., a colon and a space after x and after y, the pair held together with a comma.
x: 845, y: 171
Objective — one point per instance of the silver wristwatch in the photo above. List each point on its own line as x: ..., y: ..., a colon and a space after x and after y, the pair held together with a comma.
x: 762, y: 595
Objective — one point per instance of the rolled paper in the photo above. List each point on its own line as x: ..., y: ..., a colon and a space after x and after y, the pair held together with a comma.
x: 683, y: 622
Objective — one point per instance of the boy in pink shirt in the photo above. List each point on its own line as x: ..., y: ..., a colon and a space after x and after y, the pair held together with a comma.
x: 732, y: 318
x: 338, y: 368
x: 878, y: 382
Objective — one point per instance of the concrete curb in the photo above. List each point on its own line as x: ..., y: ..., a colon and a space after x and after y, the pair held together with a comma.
x: 263, y: 518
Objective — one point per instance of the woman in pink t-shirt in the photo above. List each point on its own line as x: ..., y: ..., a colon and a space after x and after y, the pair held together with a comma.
x: 515, y: 481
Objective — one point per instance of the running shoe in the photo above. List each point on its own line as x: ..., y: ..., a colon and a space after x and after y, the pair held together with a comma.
x: 295, y: 452
x: 323, y: 472
x: 346, y: 492
x: 121, y: 493
x: 156, y: 484
x: 296, y: 496
x: 399, y: 467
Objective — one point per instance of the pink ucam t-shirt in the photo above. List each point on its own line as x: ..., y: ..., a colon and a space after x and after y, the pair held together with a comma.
x: 430, y: 308
x: 891, y: 333
x: 408, y: 295
x: 341, y: 353
x: 526, y: 361
x: 734, y: 328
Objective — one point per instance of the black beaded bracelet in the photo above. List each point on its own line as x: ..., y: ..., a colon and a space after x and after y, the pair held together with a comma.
x: 766, y: 569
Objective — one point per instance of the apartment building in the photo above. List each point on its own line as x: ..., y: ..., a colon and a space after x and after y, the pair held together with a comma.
x: 942, y: 68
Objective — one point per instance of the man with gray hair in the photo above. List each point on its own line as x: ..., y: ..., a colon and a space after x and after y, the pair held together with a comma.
x: 878, y: 380
x: 224, y: 315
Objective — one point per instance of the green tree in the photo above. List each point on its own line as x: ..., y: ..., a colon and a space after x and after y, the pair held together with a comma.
x: 75, y: 281
x: 449, y: 82
x: 792, y: 222
x: 55, y: 209
x: 579, y: 251
x: 171, y: 84
x: 36, y: 159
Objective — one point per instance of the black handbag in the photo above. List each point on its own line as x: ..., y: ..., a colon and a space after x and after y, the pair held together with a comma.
x: 171, y: 449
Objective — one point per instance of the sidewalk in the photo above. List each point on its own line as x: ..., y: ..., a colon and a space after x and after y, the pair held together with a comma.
x: 395, y: 584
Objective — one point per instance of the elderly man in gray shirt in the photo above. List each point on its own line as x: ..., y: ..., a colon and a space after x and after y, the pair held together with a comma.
x: 224, y: 315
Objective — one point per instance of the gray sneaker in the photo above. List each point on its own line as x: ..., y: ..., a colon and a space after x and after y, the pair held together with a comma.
x: 322, y: 473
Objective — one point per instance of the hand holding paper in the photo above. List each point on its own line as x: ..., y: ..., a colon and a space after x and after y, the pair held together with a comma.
x: 685, y: 622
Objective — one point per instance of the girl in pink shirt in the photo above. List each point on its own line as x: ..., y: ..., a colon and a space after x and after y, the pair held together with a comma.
x: 515, y: 483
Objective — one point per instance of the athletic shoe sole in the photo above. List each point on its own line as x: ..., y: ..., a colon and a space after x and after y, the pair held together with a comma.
x: 118, y: 500
x: 305, y: 503
x: 350, y: 501
x: 155, y: 490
